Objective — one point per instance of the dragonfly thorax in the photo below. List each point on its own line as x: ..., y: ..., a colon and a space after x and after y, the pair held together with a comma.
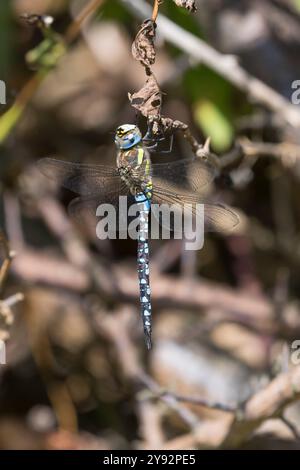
x: 134, y: 184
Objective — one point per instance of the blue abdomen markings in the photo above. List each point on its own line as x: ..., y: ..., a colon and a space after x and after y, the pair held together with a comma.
x: 144, y: 205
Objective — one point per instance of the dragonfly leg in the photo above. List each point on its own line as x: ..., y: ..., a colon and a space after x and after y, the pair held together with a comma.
x: 158, y: 143
x: 171, y: 142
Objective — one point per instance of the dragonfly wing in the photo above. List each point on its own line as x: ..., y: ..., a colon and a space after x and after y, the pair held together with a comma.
x: 217, y: 217
x: 81, y: 178
x: 90, y: 210
x: 190, y: 174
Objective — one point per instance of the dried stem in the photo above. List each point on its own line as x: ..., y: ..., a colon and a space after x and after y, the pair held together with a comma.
x: 202, y: 402
x: 75, y: 27
x: 9, y: 255
x: 292, y: 427
x: 56, y: 389
x: 227, y: 66
x: 240, y: 422
x: 155, y: 9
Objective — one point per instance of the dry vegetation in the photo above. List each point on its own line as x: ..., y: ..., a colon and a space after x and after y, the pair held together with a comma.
x: 222, y: 372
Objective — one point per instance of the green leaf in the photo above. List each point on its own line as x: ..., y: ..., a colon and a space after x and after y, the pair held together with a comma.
x: 47, y: 54
x: 214, y: 124
x: 297, y: 4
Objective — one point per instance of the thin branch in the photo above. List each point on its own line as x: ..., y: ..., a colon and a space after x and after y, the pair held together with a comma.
x: 202, y: 402
x: 173, y: 400
x: 242, y: 420
x: 287, y: 153
x: 12, y: 300
x: 227, y: 66
x: 9, y: 255
x: 265, y: 404
x: 75, y: 27
x: 170, y: 400
x: 155, y: 10
x: 291, y: 427
x: 130, y: 363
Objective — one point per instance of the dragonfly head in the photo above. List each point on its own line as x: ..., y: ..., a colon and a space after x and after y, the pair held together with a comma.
x: 127, y: 136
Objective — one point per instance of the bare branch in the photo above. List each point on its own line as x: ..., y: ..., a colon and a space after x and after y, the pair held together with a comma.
x: 267, y: 403
x: 156, y: 5
x: 9, y: 255
x: 227, y: 66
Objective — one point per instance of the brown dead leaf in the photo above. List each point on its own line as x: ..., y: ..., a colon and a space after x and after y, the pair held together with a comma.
x: 148, y: 100
x: 143, y: 46
x: 188, y: 4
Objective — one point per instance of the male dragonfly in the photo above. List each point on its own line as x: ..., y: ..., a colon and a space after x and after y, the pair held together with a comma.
x: 176, y: 183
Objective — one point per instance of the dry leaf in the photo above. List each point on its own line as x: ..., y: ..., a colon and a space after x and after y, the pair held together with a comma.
x: 188, y: 4
x: 143, y: 47
x: 148, y: 99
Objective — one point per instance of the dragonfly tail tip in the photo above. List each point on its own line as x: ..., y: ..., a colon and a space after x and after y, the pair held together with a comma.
x: 148, y: 339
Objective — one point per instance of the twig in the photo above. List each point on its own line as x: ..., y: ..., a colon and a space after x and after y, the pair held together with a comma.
x: 75, y: 27
x: 267, y: 403
x: 9, y: 255
x: 156, y: 5
x: 202, y: 402
x: 170, y: 397
x: 170, y: 126
x: 148, y: 100
x: 129, y: 361
x: 12, y: 300
x: 150, y: 418
x: 6, y: 314
x: 56, y: 389
x: 288, y: 154
x: 291, y: 427
x: 169, y: 290
x: 227, y: 66
x: 120, y: 285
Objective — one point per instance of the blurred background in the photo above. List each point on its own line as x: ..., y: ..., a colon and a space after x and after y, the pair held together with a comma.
x: 77, y: 373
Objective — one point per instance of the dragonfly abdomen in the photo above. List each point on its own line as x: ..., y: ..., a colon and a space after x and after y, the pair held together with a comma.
x: 143, y: 265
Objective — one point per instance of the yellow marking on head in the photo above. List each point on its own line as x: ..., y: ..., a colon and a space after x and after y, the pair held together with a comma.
x: 121, y: 132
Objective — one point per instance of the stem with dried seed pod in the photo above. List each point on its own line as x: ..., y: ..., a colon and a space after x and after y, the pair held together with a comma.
x: 148, y: 100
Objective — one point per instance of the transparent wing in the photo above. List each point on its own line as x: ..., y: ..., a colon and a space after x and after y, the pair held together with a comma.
x: 81, y: 178
x: 190, y: 174
x: 218, y: 218
x: 90, y: 210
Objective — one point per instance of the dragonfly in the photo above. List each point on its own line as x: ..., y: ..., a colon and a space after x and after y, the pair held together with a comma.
x: 176, y: 183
